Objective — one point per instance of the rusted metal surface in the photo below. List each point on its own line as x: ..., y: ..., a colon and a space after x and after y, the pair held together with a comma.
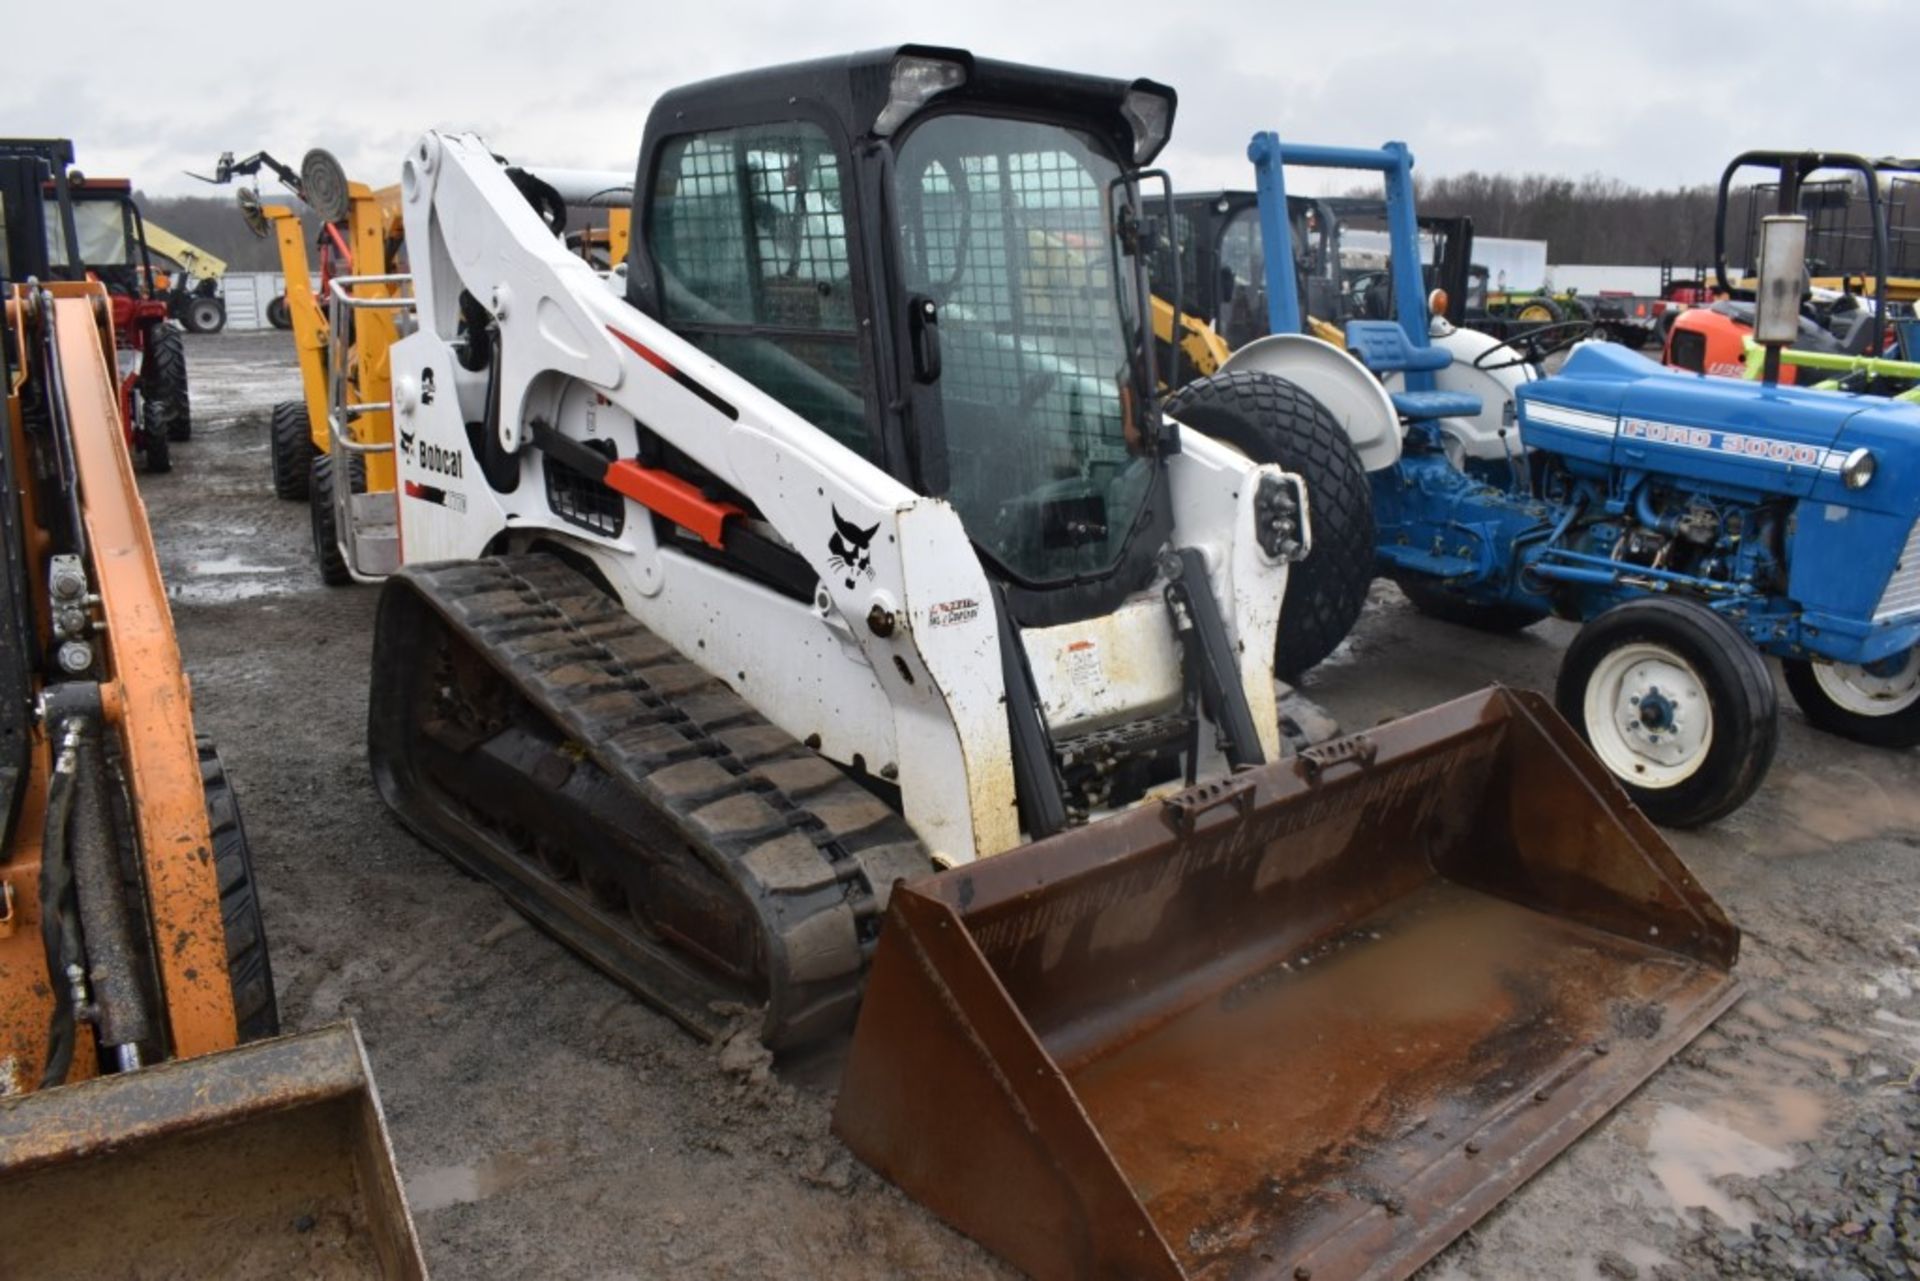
x: 147, y: 697
x: 267, y: 1160
x: 1321, y: 1016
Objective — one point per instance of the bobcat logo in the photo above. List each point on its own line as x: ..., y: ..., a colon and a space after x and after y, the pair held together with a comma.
x: 406, y: 442
x: 847, y: 548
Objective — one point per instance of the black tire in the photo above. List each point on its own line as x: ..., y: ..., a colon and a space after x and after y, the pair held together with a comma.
x: 249, y: 970
x: 1449, y: 606
x: 290, y: 441
x: 1899, y: 729
x: 163, y: 379
x: 326, y: 543
x: 204, y: 314
x: 1272, y: 421
x: 156, y: 454
x: 279, y: 315
x: 1737, y: 686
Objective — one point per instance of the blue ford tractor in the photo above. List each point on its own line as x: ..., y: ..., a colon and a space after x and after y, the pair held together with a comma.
x: 1691, y: 523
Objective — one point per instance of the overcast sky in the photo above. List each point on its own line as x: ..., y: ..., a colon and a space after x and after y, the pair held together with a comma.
x: 1657, y: 94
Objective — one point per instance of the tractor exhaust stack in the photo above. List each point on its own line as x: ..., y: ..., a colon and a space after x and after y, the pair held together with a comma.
x: 1316, y: 1018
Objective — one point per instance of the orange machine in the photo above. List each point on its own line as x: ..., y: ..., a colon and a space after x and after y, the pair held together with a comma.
x: 133, y: 963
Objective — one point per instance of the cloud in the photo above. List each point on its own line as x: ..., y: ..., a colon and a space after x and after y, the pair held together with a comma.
x: 1658, y: 94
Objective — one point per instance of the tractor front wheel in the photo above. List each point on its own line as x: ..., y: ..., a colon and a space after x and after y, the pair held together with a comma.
x: 1675, y: 703
x: 156, y: 454
x: 1271, y: 420
x: 1873, y: 703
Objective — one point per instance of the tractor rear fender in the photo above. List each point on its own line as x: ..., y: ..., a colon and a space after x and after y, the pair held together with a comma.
x: 1353, y: 396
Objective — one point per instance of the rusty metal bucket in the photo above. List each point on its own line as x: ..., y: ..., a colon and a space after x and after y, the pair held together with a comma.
x: 1315, y: 1019
x: 270, y: 1160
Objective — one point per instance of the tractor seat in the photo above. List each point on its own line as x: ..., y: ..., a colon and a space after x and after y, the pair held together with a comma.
x: 1383, y: 347
x: 1420, y: 406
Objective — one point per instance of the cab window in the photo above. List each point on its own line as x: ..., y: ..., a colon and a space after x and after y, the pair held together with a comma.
x: 102, y: 228
x: 747, y: 229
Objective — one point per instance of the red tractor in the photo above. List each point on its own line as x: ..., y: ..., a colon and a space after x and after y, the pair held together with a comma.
x: 97, y: 217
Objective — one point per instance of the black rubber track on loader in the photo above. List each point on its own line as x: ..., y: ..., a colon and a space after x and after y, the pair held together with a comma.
x: 630, y: 804
x: 249, y: 969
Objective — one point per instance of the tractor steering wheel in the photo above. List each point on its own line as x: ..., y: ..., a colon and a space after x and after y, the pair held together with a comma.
x: 1534, y: 345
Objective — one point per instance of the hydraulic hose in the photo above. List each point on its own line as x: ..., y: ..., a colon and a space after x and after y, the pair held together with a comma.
x: 59, y: 911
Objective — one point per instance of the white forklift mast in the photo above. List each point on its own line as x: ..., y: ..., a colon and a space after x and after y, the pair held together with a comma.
x: 894, y: 664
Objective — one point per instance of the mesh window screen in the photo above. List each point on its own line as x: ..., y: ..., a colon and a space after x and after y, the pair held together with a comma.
x: 1839, y: 225
x: 1007, y: 226
x: 1243, y: 280
x: 1903, y: 227
x: 748, y: 232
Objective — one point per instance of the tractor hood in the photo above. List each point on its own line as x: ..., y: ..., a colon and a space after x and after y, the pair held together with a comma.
x: 1614, y: 407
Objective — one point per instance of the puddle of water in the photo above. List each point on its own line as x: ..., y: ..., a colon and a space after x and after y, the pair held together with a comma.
x: 225, y: 586
x: 1809, y: 821
x: 1688, y: 1152
x: 231, y: 565
x: 438, y: 1187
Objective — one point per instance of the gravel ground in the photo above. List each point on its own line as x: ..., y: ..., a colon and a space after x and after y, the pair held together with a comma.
x: 548, y: 1124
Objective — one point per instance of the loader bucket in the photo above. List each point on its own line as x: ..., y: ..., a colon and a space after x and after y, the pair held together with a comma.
x: 270, y: 1160
x: 1311, y: 1020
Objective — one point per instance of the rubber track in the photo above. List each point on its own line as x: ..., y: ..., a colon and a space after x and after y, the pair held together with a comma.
x: 249, y: 970
x: 811, y: 851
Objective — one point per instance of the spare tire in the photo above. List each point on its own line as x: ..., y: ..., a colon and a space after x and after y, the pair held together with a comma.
x: 1271, y: 420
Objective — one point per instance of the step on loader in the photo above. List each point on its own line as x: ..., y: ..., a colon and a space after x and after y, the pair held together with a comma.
x: 144, y: 1093
x: 838, y: 540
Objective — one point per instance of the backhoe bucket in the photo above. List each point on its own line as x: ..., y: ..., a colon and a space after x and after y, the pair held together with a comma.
x: 1313, y: 1019
x: 270, y: 1160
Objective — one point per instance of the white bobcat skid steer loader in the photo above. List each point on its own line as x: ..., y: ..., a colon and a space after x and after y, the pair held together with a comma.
x: 837, y: 539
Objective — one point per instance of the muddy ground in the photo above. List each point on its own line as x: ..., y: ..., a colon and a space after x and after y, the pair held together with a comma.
x: 548, y: 1124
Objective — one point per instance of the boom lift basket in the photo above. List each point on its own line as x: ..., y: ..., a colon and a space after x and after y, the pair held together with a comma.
x: 1321, y: 1015
x: 267, y: 1160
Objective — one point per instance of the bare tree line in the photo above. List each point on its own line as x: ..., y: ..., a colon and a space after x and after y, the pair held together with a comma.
x: 1595, y: 219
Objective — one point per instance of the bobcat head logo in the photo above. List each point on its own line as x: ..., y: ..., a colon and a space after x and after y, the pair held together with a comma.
x: 406, y: 442
x: 847, y: 548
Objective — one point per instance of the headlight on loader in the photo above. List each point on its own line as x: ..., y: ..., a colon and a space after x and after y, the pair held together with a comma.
x: 1857, y: 471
